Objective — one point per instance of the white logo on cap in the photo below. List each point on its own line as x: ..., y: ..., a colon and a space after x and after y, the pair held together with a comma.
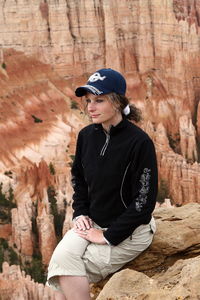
x: 96, y: 76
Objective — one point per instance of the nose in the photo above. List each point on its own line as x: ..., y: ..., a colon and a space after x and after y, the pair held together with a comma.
x: 91, y: 107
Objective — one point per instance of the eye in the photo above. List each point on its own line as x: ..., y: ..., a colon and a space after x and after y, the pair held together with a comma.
x: 87, y: 101
x: 99, y: 100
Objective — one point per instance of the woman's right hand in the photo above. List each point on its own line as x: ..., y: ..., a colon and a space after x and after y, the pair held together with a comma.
x: 83, y: 223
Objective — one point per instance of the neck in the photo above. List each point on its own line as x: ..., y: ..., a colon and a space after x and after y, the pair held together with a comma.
x: 107, y: 125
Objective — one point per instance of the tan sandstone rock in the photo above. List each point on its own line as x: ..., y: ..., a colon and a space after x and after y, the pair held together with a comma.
x: 126, y: 284
x: 178, y: 232
x: 181, y: 281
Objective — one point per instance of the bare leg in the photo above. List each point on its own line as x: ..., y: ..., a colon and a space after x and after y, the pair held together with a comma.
x: 75, y: 287
x: 59, y: 296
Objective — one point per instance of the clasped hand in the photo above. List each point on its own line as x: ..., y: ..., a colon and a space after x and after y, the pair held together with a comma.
x: 83, y: 226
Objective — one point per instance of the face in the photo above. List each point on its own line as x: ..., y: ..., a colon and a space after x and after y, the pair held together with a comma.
x: 102, y: 111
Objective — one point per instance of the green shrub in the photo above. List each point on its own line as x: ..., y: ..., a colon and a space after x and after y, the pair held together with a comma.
x: 59, y: 217
x: 35, y: 269
x: 8, y: 173
x: 3, y: 200
x: 7, y: 254
x: 1, y: 257
x: 52, y: 169
x: 74, y: 105
x: 36, y: 120
x: 72, y: 157
x: 3, y: 65
x: 13, y: 257
x: 72, y: 160
x: 174, y: 141
x: 3, y: 243
x: 6, y: 204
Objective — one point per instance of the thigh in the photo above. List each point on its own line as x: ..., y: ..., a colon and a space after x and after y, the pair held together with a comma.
x: 102, y: 260
x: 71, y: 243
x: 67, y: 258
x: 131, y: 247
x: 96, y: 258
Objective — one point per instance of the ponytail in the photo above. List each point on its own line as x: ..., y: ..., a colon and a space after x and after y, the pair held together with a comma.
x: 129, y: 111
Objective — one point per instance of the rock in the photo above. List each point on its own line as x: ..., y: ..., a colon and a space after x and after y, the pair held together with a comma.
x: 156, y: 47
x: 198, y: 121
x: 161, y: 138
x: 5, y: 231
x: 177, y: 236
x: 166, y: 203
x: 182, y: 179
x: 47, y: 237
x: 35, y: 91
x: 22, y: 228
x: 188, y: 139
x: 181, y: 281
x: 126, y: 284
x: 178, y: 232
x: 135, y: 31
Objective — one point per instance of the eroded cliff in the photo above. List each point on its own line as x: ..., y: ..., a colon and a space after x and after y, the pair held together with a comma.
x: 49, y: 47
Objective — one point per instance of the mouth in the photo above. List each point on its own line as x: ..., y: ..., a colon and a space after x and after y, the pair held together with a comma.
x: 94, y: 116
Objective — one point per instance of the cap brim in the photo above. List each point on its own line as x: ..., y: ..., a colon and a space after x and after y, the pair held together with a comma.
x: 88, y: 88
x: 81, y: 91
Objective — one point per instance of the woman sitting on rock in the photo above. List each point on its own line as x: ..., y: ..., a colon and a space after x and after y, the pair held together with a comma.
x: 114, y: 176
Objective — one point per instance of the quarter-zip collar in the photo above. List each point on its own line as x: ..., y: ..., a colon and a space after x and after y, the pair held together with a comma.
x: 113, y: 129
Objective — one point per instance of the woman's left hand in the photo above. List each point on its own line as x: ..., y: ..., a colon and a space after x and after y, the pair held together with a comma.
x: 93, y: 235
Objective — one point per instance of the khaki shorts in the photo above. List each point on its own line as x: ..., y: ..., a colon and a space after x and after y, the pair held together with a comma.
x: 74, y: 256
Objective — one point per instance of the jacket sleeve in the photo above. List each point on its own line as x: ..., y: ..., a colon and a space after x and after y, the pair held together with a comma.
x: 144, y: 180
x: 80, y: 204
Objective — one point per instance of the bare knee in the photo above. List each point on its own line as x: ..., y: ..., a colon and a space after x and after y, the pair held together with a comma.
x: 75, y: 287
x: 59, y: 296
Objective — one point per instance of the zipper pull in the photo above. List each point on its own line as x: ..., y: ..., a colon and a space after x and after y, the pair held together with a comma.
x: 103, y: 150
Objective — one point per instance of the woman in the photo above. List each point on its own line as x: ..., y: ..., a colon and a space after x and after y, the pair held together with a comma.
x: 114, y: 176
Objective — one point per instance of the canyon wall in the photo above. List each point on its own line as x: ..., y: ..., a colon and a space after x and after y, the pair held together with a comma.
x: 155, y: 44
x: 39, y: 122
x: 49, y: 47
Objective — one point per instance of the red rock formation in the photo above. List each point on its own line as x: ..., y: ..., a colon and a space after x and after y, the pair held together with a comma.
x: 198, y: 121
x: 182, y: 179
x: 155, y: 45
x: 15, y: 285
x: 188, y: 144
x: 141, y: 34
x: 32, y: 188
x: 5, y: 231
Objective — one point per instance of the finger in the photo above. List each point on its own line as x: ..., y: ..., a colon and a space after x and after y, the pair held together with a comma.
x: 85, y: 223
x: 90, y: 222
x: 80, y: 224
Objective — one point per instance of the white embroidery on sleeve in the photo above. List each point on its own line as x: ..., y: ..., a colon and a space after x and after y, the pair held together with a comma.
x: 142, y: 198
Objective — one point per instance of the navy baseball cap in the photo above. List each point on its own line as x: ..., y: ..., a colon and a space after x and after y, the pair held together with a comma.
x: 103, y: 81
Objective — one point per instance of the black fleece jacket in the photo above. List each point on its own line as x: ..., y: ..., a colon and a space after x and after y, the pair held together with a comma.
x: 114, y: 177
